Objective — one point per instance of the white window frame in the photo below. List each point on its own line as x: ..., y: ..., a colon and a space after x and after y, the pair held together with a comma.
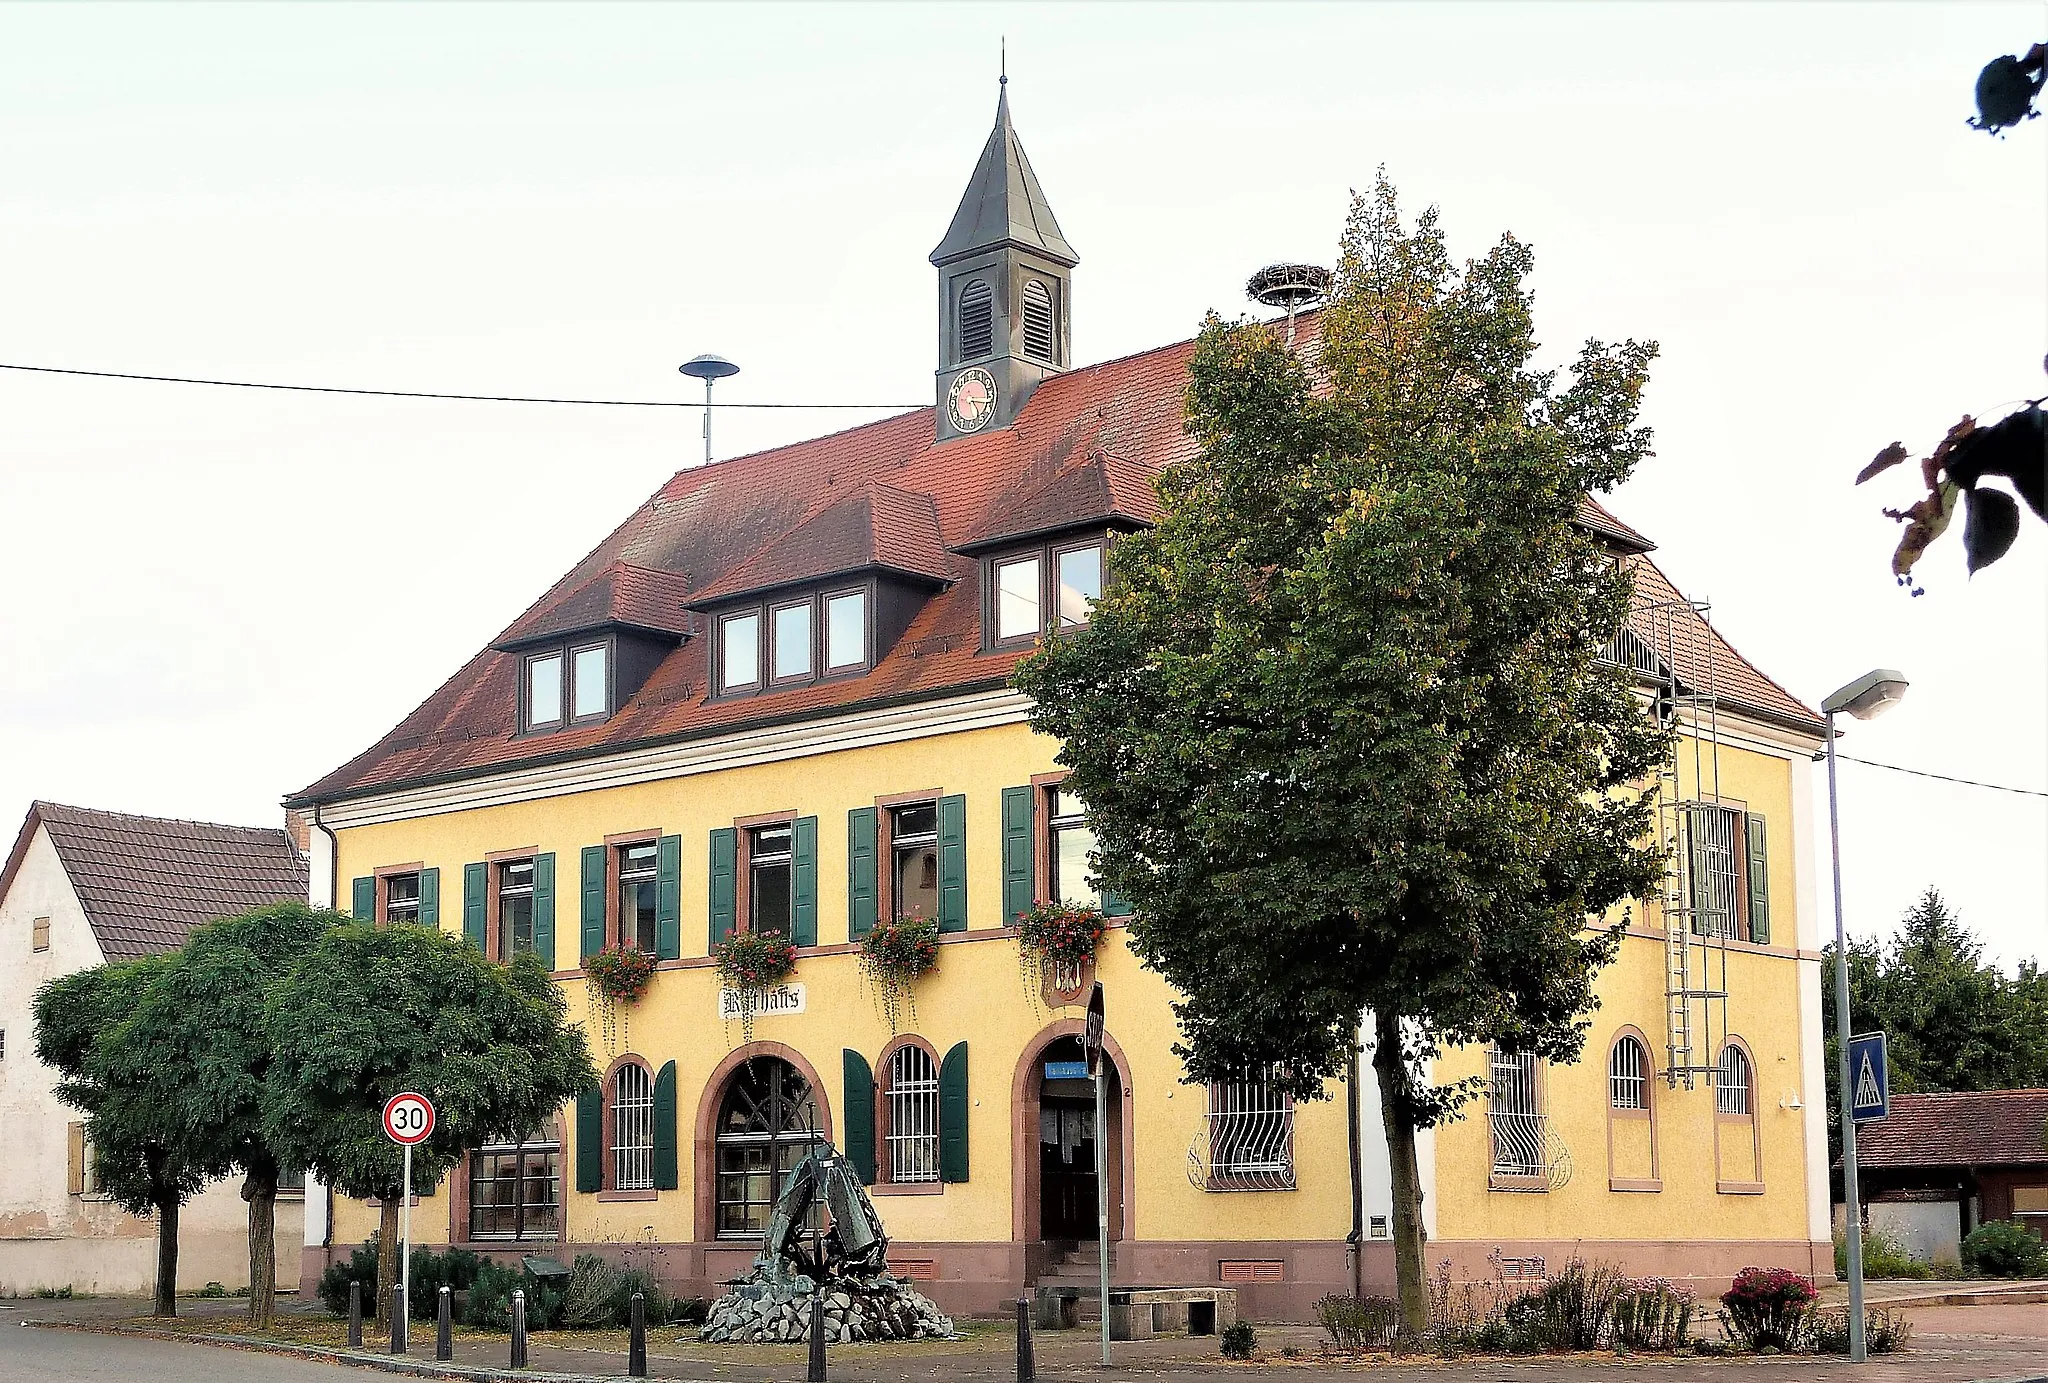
x: 1628, y: 1077
x: 632, y: 1129
x: 913, y: 1095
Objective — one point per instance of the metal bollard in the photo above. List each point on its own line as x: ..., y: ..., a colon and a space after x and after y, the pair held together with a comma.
x: 636, y: 1349
x: 355, y: 1315
x: 816, y: 1372
x: 398, y: 1314
x: 518, y: 1327
x: 1027, y: 1362
x: 444, y: 1327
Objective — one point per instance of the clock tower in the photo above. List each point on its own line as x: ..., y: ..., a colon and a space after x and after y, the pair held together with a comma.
x: 1005, y: 273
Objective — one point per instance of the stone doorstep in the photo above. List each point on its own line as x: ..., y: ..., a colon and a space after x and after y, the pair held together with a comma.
x: 405, y: 1365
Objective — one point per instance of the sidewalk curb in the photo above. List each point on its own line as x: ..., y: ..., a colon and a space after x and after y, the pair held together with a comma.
x: 401, y: 1364
x: 2010, y: 1296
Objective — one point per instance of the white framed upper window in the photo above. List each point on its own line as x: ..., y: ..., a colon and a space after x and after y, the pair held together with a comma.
x: 846, y: 630
x: 913, y: 1112
x: 1018, y: 614
x: 1078, y: 571
x: 633, y: 1130
x: 739, y: 652
x: 590, y: 681
x: 1732, y: 1082
x: 543, y: 691
x: 1628, y: 1074
x: 790, y: 642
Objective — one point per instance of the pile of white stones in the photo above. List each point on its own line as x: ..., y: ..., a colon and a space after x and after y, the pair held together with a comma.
x: 767, y: 1307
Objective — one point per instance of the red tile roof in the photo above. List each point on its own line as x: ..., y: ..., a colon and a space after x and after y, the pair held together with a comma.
x: 146, y: 881
x: 1084, y: 450
x: 1978, y: 1128
x: 620, y: 595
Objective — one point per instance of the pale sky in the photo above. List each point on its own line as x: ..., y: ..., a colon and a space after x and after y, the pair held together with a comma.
x: 216, y: 595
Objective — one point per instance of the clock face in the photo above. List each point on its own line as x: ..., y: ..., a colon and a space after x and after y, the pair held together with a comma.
x: 971, y: 402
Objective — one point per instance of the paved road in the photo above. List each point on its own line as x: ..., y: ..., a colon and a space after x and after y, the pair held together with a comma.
x: 71, y: 1356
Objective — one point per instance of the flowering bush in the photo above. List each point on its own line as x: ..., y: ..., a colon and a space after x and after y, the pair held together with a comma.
x: 893, y: 955
x: 1652, y: 1313
x: 620, y: 973
x: 1055, y: 936
x: 1766, y: 1308
x: 750, y: 964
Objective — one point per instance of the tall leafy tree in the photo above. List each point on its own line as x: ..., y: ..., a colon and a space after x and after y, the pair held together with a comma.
x: 1338, y: 719
x: 369, y: 1012
x: 202, y: 1017
x: 1952, y: 1021
x: 142, y: 1158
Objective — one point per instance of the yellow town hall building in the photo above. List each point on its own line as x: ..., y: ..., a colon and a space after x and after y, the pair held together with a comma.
x: 776, y: 698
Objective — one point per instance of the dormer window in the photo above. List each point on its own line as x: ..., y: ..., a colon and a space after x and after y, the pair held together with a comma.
x: 567, y: 686
x: 1060, y: 581
x: 977, y: 320
x: 1041, y: 333
x: 794, y: 641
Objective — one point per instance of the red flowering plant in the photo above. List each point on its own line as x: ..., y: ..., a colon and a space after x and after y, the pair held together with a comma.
x: 1766, y: 1308
x: 892, y: 955
x: 614, y: 976
x: 1056, y: 939
x: 750, y: 964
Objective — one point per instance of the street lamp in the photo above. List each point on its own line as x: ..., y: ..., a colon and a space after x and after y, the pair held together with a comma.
x: 1866, y: 698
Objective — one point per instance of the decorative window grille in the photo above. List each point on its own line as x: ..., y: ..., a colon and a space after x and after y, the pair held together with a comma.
x: 913, y: 1116
x: 633, y: 1131
x: 402, y: 899
x: 1711, y: 861
x: 977, y: 320
x: 1628, y: 1078
x: 1247, y: 1139
x: 767, y: 1123
x: 1514, y: 1111
x: 1039, y: 335
x: 1731, y: 1082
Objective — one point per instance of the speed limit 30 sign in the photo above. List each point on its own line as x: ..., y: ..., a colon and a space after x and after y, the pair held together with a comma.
x: 408, y: 1118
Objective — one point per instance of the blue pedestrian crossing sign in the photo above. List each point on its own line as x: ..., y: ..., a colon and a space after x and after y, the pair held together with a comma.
x: 1870, y: 1083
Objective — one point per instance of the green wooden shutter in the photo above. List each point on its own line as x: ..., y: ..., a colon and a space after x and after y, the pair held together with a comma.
x: 1020, y: 890
x: 1115, y: 904
x: 953, y: 1115
x: 473, y: 905
x: 860, y: 873
x: 1759, y: 883
x: 668, y: 898
x: 544, y: 909
x: 363, y: 899
x: 803, y: 901
x: 860, y: 1111
x: 953, y: 864
x: 430, y: 897
x: 590, y: 1141
x: 592, y: 895
x: 725, y: 868
x: 665, y: 1178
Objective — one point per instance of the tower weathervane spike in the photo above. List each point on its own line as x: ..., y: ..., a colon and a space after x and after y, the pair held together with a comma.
x: 1003, y: 62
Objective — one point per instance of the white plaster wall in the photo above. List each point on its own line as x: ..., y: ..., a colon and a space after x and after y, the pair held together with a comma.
x: 1815, y: 931
x: 48, y: 1237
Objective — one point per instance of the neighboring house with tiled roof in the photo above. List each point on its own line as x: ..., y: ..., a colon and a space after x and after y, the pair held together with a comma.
x: 1938, y: 1165
x: 776, y: 697
x: 81, y: 888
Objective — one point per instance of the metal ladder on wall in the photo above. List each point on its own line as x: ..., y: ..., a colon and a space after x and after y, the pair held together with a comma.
x: 1697, y: 898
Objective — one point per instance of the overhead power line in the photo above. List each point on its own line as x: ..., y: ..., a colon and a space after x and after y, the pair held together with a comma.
x: 1923, y: 773
x: 424, y: 394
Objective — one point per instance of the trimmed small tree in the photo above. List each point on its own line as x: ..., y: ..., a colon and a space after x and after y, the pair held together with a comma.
x: 369, y: 1012
x: 202, y: 1017
x: 1338, y: 719
x: 142, y: 1158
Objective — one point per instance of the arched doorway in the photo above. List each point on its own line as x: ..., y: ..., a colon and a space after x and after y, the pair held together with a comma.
x: 767, y: 1120
x: 1054, y: 1148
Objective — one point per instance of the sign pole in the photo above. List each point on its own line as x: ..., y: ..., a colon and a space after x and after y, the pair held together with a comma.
x: 408, y: 1119
x: 1853, y: 1218
x: 1091, y: 1044
x: 405, y: 1234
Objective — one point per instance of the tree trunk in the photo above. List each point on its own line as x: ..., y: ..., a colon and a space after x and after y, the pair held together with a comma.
x: 387, y: 1250
x: 259, y: 1188
x: 1397, y: 1116
x: 167, y: 1206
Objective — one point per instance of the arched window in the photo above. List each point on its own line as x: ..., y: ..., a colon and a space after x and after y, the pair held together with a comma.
x: 767, y: 1121
x: 1628, y: 1078
x: 1732, y: 1093
x: 977, y: 320
x: 632, y: 1130
x: 1041, y: 336
x: 913, y: 1114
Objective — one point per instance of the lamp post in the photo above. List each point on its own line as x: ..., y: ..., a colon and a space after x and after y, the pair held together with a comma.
x: 1866, y: 698
x: 710, y: 369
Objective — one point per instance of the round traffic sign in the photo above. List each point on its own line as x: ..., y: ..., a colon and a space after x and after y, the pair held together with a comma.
x: 408, y: 1118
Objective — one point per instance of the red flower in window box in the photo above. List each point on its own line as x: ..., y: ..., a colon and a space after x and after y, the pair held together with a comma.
x: 620, y: 973
x: 893, y: 955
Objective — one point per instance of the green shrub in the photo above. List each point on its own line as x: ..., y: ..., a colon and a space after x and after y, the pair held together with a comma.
x: 1568, y: 1311
x: 1651, y: 1314
x: 1766, y: 1308
x: 1883, y: 1257
x: 1358, y: 1322
x: 1239, y: 1340
x: 688, y: 1311
x: 592, y: 1296
x: 2003, y: 1248
x: 54, y: 1293
x: 211, y: 1290
x: 456, y: 1270
x: 490, y: 1299
x: 1884, y: 1330
x: 360, y: 1267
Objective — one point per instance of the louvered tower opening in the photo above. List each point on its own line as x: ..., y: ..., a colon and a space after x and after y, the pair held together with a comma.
x: 977, y: 320
x: 1039, y: 335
